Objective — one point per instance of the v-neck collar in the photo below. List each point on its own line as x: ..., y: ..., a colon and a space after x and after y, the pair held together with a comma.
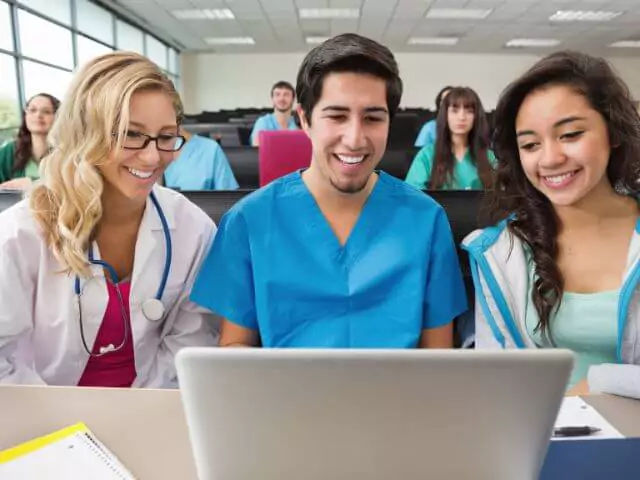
x: 463, y: 158
x: 319, y: 226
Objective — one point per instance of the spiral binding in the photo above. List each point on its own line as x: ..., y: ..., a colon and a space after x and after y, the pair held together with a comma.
x: 109, y: 460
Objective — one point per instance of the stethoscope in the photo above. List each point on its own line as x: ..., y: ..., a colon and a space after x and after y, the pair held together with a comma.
x: 152, y: 308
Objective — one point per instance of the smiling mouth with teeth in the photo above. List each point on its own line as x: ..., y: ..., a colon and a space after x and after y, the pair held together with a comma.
x: 559, y: 178
x: 140, y: 174
x: 350, y: 159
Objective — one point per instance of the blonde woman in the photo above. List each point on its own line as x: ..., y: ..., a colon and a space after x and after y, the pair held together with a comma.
x: 96, y: 266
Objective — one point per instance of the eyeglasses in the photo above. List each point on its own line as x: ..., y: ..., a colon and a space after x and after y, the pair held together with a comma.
x: 34, y: 111
x: 165, y: 142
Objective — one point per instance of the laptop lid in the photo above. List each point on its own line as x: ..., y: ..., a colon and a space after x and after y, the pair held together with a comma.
x: 371, y: 414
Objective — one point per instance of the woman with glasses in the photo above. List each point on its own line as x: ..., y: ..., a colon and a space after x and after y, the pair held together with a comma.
x: 20, y: 159
x: 96, y: 266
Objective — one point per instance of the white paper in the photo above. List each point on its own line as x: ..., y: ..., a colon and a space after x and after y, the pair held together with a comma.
x: 71, y: 458
x: 575, y: 412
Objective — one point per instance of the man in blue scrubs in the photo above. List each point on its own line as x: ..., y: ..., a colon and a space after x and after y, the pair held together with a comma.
x: 200, y: 165
x: 338, y: 255
x: 282, y: 95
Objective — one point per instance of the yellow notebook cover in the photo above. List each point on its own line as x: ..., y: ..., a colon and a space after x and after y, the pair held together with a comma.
x: 67, y: 454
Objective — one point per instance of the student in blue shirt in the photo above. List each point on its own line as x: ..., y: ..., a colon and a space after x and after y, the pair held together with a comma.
x: 282, y: 95
x: 428, y: 133
x: 338, y: 255
x: 200, y: 165
x: 561, y: 268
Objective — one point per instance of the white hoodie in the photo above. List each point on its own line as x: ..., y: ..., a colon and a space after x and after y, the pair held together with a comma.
x: 501, y: 280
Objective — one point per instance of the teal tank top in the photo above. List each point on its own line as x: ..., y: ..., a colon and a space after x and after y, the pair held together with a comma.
x: 586, y: 323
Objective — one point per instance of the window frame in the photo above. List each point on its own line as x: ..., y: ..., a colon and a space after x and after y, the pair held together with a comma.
x: 19, y: 58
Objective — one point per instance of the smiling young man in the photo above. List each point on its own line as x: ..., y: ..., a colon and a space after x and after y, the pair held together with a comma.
x: 282, y: 96
x: 337, y: 255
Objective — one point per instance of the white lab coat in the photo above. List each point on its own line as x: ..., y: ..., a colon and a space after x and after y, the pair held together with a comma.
x: 40, y: 340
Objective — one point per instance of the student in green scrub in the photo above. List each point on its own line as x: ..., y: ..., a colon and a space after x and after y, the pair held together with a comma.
x: 20, y: 159
x: 561, y: 268
x: 460, y: 159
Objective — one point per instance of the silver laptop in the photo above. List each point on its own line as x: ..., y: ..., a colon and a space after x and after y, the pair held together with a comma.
x: 371, y: 414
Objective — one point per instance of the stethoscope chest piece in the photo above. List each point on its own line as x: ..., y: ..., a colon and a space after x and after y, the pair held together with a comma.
x: 153, y: 309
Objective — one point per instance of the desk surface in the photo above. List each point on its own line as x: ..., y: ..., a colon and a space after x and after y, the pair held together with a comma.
x: 146, y: 429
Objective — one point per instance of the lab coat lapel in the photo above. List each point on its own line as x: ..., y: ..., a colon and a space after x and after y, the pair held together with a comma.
x: 94, y: 300
x: 149, y: 260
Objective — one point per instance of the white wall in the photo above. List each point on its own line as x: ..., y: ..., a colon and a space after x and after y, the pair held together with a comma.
x: 213, y: 81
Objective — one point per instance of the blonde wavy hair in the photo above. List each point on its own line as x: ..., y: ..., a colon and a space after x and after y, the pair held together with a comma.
x: 91, y: 122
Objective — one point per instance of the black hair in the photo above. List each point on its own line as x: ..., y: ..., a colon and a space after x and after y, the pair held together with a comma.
x: 348, y: 52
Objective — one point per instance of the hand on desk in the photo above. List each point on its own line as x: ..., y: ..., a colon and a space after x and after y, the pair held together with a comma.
x: 580, y: 388
x: 23, y: 183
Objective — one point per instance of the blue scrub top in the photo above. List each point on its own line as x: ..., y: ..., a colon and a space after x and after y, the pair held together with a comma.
x: 269, y: 122
x: 427, y: 134
x: 277, y: 267
x: 201, y: 165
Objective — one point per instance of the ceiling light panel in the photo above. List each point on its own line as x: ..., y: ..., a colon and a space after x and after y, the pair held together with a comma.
x: 204, y: 14
x: 533, y: 42
x: 329, y: 13
x: 459, y: 13
x: 230, y: 41
x: 433, y: 41
x: 583, y: 16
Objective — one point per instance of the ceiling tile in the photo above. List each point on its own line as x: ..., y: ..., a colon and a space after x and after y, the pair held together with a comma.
x: 276, y: 27
x: 339, y: 26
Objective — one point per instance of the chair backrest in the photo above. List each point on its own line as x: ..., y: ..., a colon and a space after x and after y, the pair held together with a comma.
x: 462, y: 208
x: 244, y: 132
x: 244, y: 164
x: 282, y: 152
x: 215, y: 203
x: 396, y: 162
x: 403, y: 131
x: 9, y: 198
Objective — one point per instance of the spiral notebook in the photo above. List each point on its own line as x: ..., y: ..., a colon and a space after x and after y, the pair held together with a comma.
x: 72, y: 453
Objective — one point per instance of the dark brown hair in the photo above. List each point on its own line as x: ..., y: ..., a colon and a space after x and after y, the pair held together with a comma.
x: 441, y: 93
x: 283, y: 84
x: 24, y: 149
x: 534, y: 219
x: 444, y: 159
x: 347, y: 53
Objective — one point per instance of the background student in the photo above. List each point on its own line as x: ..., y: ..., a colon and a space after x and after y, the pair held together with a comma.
x: 460, y: 159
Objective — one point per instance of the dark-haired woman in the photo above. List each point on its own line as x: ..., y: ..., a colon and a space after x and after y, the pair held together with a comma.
x: 562, y: 266
x: 20, y: 159
x: 460, y: 158
x: 427, y: 134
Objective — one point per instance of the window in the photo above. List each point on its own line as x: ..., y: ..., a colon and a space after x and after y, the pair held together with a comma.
x: 42, y: 79
x: 157, y: 52
x: 173, y: 62
x: 59, y: 10
x: 44, y: 40
x: 94, y: 21
x: 9, y: 102
x: 88, y: 49
x: 49, y: 34
x: 129, y: 37
x: 6, y: 39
